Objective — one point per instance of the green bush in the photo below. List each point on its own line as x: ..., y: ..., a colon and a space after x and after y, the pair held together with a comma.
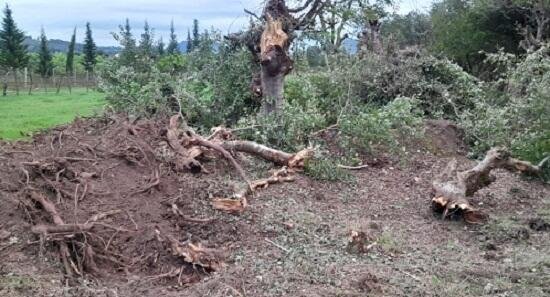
x: 516, y: 114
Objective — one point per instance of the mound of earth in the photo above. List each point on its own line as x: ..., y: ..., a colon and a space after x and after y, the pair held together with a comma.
x: 134, y: 225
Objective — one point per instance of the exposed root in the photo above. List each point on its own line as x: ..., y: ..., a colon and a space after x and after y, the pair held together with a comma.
x: 64, y: 252
x: 452, y: 187
x: 195, y: 254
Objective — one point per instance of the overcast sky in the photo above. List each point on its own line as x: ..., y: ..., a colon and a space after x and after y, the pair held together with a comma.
x: 58, y: 17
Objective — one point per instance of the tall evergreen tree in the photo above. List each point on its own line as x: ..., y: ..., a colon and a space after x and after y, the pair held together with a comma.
x: 173, y: 43
x: 189, y: 42
x: 146, y: 41
x: 89, y: 50
x: 128, y: 42
x: 69, y: 65
x: 161, y: 51
x: 196, y: 34
x: 45, y: 66
x: 13, y: 53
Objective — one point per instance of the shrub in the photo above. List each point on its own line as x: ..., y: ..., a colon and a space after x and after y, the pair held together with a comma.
x: 517, y: 115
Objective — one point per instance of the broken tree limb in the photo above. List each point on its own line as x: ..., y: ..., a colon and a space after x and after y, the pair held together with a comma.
x: 453, y: 186
x: 267, y: 153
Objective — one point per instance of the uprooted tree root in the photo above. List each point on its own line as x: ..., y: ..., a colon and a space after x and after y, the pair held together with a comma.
x: 452, y: 187
x: 71, y: 168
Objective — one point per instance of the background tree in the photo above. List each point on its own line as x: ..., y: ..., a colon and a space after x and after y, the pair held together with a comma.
x: 13, y: 53
x: 69, y: 66
x: 412, y: 29
x: 173, y: 43
x: 45, y: 66
x: 89, y: 51
x: 161, y: 51
x: 189, y: 45
x: 146, y: 42
x: 196, y: 34
x: 127, y: 41
x: 463, y: 30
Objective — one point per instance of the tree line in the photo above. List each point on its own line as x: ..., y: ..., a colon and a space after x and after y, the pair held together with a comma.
x: 14, y: 54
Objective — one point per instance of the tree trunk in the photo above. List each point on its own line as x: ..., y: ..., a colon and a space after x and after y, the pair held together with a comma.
x: 16, y: 81
x: 275, y: 64
x: 30, y: 81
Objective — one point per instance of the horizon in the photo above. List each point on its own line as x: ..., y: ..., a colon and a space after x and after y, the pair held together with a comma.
x: 60, y: 18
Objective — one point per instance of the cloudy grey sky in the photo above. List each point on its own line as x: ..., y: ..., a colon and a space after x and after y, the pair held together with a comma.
x: 58, y: 17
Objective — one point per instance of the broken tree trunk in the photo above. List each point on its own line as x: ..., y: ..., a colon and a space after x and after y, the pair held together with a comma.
x: 275, y: 65
x: 452, y: 187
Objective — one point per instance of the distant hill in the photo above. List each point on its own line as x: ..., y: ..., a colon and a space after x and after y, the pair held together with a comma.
x: 57, y: 45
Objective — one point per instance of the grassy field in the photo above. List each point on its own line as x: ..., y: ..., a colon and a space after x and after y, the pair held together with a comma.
x: 22, y: 114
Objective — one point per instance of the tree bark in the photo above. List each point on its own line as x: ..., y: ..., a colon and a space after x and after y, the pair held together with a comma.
x: 275, y: 64
x: 452, y: 187
x: 16, y: 81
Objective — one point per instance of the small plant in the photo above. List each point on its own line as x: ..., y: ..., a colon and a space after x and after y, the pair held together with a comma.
x: 327, y: 169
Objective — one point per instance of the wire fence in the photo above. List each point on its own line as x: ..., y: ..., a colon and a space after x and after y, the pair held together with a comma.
x: 29, y: 83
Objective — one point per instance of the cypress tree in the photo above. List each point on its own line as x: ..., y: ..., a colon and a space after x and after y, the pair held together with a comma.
x: 89, y: 50
x: 13, y: 53
x: 45, y: 66
x: 173, y: 43
x: 128, y: 43
x: 161, y: 48
x: 146, y: 42
x: 69, y: 65
x: 189, y: 42
x: 196, y: 35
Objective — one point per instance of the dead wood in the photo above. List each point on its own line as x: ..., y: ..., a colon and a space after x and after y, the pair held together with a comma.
x: 195, y: 254
x: 452, y: 187
x: 269, y: 154
x: 64, y: 252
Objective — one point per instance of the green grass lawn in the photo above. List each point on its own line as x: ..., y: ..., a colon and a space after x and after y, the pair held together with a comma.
x: 25, y: 113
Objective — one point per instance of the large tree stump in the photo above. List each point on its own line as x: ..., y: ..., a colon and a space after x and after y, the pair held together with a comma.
x: 452, y: 187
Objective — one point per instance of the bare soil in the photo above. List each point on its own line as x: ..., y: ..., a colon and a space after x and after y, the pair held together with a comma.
x: 292, y: 240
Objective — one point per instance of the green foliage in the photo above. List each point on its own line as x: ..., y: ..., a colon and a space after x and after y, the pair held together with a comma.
x: 326, y: 169
x: 125, y: 38
x: 463, y: 29
x: 173, y: 43
x: 146, y: 42
x: 45, y: 66
x: 89, y: 51
x: 414, y: 28
x: 196, y: 35
x: 13, y: 53
x: 372, y: 128
x: 135, y: 92
x: 515, y: 114
x: 69, y: 66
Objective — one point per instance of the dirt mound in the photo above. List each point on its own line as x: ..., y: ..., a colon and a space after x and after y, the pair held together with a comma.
x: 106, y: 194
x: 135, y: 225
x: 445, y: 137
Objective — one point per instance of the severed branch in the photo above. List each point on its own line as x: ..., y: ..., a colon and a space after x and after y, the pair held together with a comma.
x: 452, y: 187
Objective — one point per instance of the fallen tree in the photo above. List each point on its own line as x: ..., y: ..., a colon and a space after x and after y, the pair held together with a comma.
x: 452, y: 187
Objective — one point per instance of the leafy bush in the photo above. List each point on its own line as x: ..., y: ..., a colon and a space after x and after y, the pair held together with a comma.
x: 516, y: 113
x: 390, y: 126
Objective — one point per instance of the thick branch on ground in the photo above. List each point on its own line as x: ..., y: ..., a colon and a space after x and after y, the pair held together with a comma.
x: 452, y: 187
x: 269, y: 154
x: 239, y: 202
